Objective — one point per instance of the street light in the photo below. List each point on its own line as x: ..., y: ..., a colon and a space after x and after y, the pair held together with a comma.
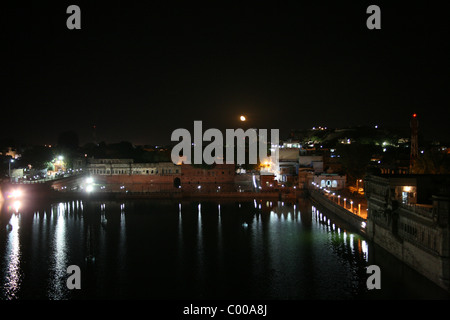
x: 357, y: 184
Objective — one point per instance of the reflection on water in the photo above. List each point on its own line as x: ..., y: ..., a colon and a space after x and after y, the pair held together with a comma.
x: 190, y: 249
x: 59, y: 265
x: 356, y: 244
x: 11, y: 264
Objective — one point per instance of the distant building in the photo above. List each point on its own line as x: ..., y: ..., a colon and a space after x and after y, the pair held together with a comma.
x: 17, y: 174
x: 309, y: 160
x: 291, y: 143
x: 268, y: 182
x: 110, y: 166
x: 288, y: 165
x: 128, y: 167
x: 331, y: 181
x: 218, y: 177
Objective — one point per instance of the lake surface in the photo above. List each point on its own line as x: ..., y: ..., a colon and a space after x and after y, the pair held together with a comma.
x: 156, y: 249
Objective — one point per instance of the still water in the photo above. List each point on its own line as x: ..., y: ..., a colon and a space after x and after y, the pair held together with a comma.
x: 155, y: 249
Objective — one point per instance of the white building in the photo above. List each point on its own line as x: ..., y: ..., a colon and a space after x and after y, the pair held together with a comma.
x: 331, y: 181
x: 128, y: 167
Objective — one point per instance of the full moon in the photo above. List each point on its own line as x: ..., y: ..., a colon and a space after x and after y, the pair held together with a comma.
x: 243, y: 118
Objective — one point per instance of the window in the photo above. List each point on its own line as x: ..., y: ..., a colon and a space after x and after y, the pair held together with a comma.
x: 404, y: 197
x: 334, y: 184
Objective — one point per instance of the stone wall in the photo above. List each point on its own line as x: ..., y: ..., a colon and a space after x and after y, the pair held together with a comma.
x: 355, y: 221
x: 416, y: 234
x: 430, y: 265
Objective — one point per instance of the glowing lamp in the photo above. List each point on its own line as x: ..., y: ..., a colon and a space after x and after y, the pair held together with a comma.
x: 16, y: 194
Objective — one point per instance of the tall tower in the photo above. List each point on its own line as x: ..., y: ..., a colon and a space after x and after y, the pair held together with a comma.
x: 414, y: 123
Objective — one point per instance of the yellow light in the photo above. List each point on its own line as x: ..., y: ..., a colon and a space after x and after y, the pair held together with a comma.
x: 407, y: 189
x: 242, y: 118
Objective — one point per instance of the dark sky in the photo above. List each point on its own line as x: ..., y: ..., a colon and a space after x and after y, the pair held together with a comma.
x: 139, y: 72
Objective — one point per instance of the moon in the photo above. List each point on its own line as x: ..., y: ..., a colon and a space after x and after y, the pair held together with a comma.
x: 242, y: 118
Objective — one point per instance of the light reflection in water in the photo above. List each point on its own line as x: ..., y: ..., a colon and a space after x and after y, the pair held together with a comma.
x: 199, y: 221
x: 356, y: 244
x: 17, y: 204
x: 13, y: 276
x: 180, y: 226
x: 199, y: 230
x: 58, y: 289
x: 219, y: 227
x: 282, y: 253
x: 200, y: 242
x: 122, y: 239
x: 365, y: 250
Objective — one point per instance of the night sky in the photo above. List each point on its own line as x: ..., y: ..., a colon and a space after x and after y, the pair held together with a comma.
x: 138, y: 72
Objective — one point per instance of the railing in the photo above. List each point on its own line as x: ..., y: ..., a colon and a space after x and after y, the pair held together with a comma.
x: 358, y: 207
x: 423, y: 210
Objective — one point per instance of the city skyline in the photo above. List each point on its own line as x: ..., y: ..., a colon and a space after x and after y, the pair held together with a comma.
x: 208, y: 156
x: 138, y: 73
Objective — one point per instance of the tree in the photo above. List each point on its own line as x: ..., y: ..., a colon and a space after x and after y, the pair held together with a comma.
x: 37, y: 156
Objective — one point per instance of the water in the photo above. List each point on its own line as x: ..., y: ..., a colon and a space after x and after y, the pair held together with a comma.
x: 154, y: 249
